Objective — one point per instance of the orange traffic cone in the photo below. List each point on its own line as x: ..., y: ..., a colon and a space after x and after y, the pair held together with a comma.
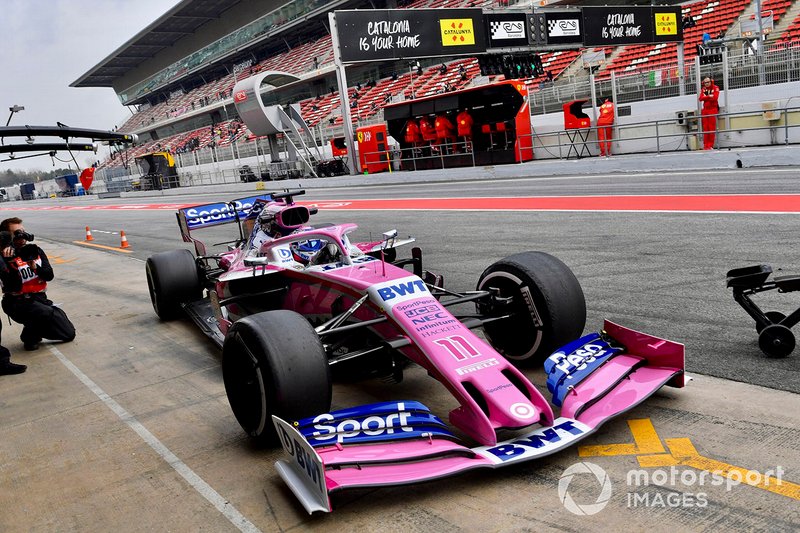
x: 89, y: 234
x: 124, y: 240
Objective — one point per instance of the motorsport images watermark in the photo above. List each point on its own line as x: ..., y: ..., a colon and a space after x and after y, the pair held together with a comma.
x: 590, y: 485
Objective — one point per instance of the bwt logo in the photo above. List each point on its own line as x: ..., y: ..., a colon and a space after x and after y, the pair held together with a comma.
x: 545, y: 438
x: 240, y: 96
x: 402, y: 289
x: 304, y: 458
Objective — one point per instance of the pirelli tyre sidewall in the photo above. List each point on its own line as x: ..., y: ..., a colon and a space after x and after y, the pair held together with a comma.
x: 172, y: 279
x: 549, y: 308
x: 273, y: 363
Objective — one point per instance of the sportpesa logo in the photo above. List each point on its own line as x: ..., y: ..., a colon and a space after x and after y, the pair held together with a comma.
x: 372, y: 425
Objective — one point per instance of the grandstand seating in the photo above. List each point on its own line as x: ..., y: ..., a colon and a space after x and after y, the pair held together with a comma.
x: 778, y: 8
x: 792, y: 33
x: 712, y: 17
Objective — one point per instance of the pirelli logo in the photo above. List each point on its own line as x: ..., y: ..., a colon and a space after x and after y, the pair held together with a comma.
x: 457, y: 32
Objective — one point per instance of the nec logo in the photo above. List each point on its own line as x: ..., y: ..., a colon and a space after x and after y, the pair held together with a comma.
x: 240, y: 96
x: 441, y: 315
x: 402, y: 289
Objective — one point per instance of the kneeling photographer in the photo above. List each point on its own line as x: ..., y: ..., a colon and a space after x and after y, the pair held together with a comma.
x: 25, y: 272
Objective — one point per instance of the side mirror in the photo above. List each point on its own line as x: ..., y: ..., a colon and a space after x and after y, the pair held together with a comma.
x: 256, y: 261
x: 389, y: 238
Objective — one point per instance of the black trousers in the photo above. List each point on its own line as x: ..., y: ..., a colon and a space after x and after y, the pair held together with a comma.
x: 40, y: 319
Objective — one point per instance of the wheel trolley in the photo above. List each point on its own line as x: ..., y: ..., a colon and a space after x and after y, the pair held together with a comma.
x: 775, y: 337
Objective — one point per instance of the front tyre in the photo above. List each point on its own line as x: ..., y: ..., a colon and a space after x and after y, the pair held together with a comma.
x: 273, y: 363
x: 547, y: 306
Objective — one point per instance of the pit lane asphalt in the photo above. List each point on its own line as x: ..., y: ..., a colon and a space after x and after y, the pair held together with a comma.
x: 659, y: 272
x: 128, y: 429
x: 72, y: 465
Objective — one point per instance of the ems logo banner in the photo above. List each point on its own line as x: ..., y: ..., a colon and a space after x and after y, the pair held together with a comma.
x: 507, y: 29
x: 666, y: 23
x: 457, y: 32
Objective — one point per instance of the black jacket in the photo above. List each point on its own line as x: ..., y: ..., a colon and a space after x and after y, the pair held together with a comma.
x: 11, y: 276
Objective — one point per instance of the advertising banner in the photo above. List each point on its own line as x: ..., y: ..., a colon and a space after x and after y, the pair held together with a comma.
x: 506, y: 30
x: 381, y: 34
x: 564, y: 27
x: 612, y: 26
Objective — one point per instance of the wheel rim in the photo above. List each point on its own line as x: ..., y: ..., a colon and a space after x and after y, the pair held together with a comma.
x: 524, y: 308
x: 245, y: 386
x: 151, y: 288
x: 776, y: 341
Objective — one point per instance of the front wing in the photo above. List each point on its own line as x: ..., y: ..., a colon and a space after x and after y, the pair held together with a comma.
x: 396, y: 443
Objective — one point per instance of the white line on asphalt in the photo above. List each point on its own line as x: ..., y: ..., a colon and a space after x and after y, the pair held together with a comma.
x: 226, y: 508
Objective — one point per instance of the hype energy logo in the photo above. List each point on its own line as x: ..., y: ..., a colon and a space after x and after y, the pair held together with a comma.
x: 666, y: 23
x: 457, y: 32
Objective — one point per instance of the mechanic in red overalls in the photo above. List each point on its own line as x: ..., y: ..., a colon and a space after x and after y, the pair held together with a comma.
x: 412, y: 132
x: 427, y: 130
x: 464, y: 125
x: 709, y: 95
x: 605, y: 132
x: 445, y: 131
x: 25, y: 273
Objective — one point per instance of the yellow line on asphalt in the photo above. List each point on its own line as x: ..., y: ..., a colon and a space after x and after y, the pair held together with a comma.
x: 683, y: 452
x: 103, y: 247
x: 645, y: 441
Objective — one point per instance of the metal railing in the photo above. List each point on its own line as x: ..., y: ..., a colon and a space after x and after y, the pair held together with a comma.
x: 663, y: 134
x: 739, y: 69
x: 781, y: 64
x: 655, y: 136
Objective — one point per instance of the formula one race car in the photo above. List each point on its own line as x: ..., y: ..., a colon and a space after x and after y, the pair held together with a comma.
x: 294, y: 305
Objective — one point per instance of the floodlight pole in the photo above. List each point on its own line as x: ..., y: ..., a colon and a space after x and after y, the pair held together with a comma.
x: 681, y: 70
x: 14, y: 109
x: 344, y: 99
x: 760, y: 46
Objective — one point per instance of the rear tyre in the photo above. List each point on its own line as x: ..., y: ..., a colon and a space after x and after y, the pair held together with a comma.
x: 172, y: 278
x: 273, y: 363
x: 548, y: 307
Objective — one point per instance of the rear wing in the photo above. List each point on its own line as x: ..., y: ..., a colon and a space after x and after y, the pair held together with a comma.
x: 208, y: 215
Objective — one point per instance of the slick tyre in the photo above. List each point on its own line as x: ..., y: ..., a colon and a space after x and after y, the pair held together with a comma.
x: 547, y: 306
x: 172, y: 279
x: 273, y: 363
